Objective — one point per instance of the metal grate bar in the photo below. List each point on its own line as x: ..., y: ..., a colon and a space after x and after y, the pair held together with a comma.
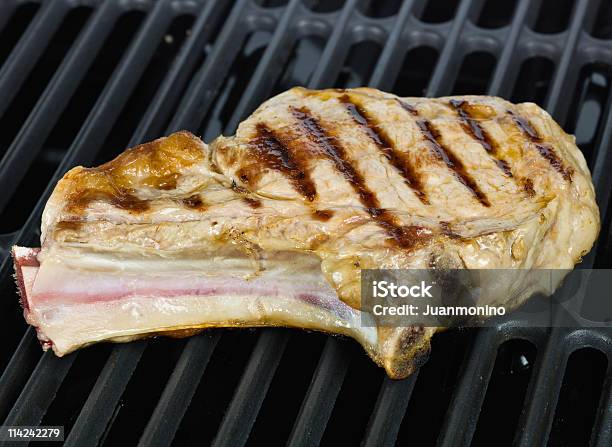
x: 179, y: 391
x: 269, y: 67
x: 446, y: 67
x: 387, y: 68
x: 471, y: 388
x: 41, y: 388
x: 557, y: 103
x: 543, y: 392
x: 29, y: 49
x: 252, y: 390
x: 321, y: 396
x: 101, y: 403
x: 389, y: 412
x: 47, y: 111
x: 204, y: 87
x: 325, y: 74
x: 500, y: 84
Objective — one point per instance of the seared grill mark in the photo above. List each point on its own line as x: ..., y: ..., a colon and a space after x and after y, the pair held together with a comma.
x: 194, y: 202
x: 405, y: 237
x: 475, y: 130
x: 252, y: 202
x: 432, y: 135
x: 528, y: 186
x: 545, y: 150
x: 397, y: 159
x: 69, y: 225
x: 408, y: 108
x: 323, y: 215
x: 446, y: 229
x: 271, y: 152
x: 120, y: 198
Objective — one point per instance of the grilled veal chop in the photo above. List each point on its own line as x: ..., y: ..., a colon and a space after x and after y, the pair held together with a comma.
x: 271, y: 227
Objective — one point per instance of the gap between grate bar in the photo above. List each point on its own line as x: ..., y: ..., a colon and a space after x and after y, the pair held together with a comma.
x: 23, y: 361
x: 40, y: 389
x: 464, y: 409
x: 29, y: 49
x: 321, y: 396
x: 108, y: 390
x: 179, y: 391
x: 252, y: 389
x: 46, y: 113
x: 7, y: 8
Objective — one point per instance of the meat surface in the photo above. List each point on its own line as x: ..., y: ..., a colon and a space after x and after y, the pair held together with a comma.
x: 272, y: 226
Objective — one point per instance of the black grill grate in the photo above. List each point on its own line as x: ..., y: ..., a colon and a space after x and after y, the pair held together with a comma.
x: 80, y: 79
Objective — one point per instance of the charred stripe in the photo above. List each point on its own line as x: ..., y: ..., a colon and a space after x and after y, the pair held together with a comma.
x: 397, y: 159
x: 545, y: 150
x: 432, y: 135
x: 475, y: 130
x: 275, y: 155
x: 404, y: 237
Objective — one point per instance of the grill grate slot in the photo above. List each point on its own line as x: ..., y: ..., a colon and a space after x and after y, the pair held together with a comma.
x: 496, y: 14
x: 142, y: 394
x: 533, y: 80
x: 579, y: 398
x: 238, y: 382
x: 416, y: 71
x: 348, y: 422
x: 16, y: 25
x: 288, y: 386
x: 553, y: 16
x: 505, y: 394
x: 210, y: 400
x: 475, y: 74
x: 438, y: 379
x: 438, y: 11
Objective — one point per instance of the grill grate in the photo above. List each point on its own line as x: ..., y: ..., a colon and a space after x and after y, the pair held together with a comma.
x: 81, y: 78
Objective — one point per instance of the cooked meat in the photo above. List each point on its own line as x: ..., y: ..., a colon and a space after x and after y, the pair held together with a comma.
x: 273, y: 225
